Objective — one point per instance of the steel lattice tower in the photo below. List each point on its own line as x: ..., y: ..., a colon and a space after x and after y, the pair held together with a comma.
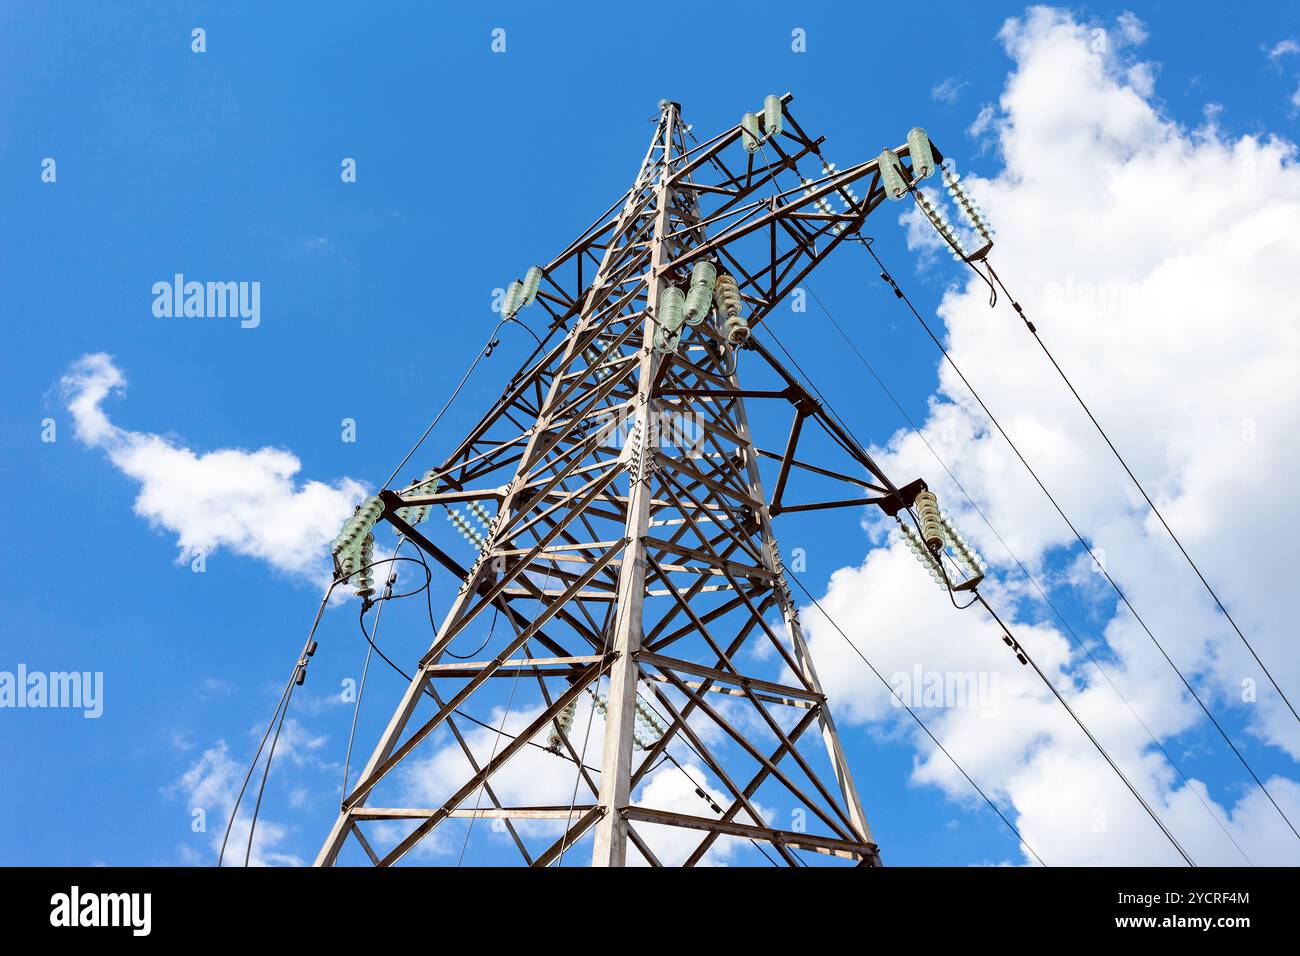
x: 632, y: 554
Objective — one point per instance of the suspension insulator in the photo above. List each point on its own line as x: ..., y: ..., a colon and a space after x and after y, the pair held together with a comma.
x: 698, y: 302
x: 962, y: 548
x: 772, y: 115
x: 358, y: 526
x: 561, y: 726
x: 927, y: 509
x: 924, y: 556
x: 727, y: 295
x: 365, y: 571
x: 704, y: 273
x: 891, y: 175
x: 594, y: 359
x: 466, y: 530
x: 532, y: 282
x: 969, y: 207
x: 749, y: 134
x: 480, y: 513
x: 513, y: 299
x: 920, y: 152
x: 941, y: 224
x: 649, y: 718
x: 348, y: 562
x: 672, y: 302
x: 428, y: 485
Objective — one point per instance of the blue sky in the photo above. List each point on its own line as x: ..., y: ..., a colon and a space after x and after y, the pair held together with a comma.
x: 225, y: 165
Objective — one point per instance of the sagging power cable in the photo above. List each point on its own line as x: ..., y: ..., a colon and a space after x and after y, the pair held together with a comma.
x: 916, y: 717
x: 1025, y: 658
x: 483, y: 353
x: 994, y: 283
x: 296, y: 678
x: 1033, y: 331
x: 899, y: 294
x: 1029, y: 577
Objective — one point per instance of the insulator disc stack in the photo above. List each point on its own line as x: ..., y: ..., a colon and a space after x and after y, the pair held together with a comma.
x: 927, y: 510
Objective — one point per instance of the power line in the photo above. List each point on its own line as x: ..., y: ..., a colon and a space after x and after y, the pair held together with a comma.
x: 286, y: 697
x: 483, y: 353
x: 835, y: 624
x: 1032, y: 329
x: 1050, y: 686
x: 1062, y: 700
x: 1095, y: 742
x: 993, y: 278
x: 1025, y: 571
x: 898, y: 293
x: 282, y: 704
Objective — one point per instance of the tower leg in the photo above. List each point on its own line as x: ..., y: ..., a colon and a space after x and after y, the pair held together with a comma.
x: 620, y: 721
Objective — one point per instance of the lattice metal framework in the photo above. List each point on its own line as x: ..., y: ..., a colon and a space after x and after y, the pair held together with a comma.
x: 631, y: 553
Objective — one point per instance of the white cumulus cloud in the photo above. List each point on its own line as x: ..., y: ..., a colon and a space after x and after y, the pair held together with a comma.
x: 1158, y: 262
x: 250, y: 502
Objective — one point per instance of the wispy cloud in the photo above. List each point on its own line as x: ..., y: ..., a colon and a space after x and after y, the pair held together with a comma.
x: 1280, y: 51
x: 949, y: 91
x: 1283, y: 48
x: 210, y: 785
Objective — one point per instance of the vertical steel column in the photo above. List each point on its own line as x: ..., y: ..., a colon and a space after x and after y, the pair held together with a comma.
x: 620, y: 719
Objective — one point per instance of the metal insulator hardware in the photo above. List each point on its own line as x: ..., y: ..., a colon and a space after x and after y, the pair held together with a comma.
x: 772, y: 115
x: 532, y: 282
x: 749, y: 134
x: 666, y: 342
x: 891, y: 175
x: 920, y: 152
x: 927, y: 509
x: 1016, y: 649
x: 736, y: 330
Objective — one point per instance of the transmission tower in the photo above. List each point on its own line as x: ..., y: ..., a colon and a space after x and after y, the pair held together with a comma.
x: 624, y: 536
